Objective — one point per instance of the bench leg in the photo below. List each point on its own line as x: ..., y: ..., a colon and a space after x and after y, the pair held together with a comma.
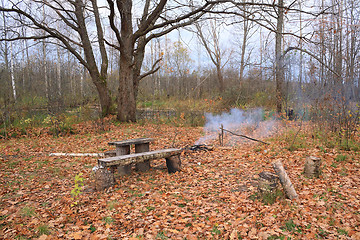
x: 143, y: 166
x: 173, y: 163
x: 124, y: 170
x: 104, y: 179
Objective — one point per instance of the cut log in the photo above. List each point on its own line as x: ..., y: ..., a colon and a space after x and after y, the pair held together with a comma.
x: 111, y: 153
x: 173, y: 163
x: 142, y: 166
x: 103, y: 179
x: 122, y: 150
x: 268, y: 182
x: 285, y: 180
x: 312, y: 167
x: 123, y: 170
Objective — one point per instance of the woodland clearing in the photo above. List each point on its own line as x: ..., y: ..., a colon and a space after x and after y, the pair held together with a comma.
x: 213, y: 197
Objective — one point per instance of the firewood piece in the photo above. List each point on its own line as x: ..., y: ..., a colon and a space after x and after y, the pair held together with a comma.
x: 123, y: 170
x: 111, y: 153
x: 285, y: 180
x: 173, y: 163
x: 142, y: 166
x: 268, y: 182
x: 312, y: 167
x: 103, y: 179
x: 122, y: 150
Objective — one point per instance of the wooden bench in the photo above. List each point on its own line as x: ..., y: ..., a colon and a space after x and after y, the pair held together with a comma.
x: 124, y: 147
x: 171, y: 155
x: 105, y: 177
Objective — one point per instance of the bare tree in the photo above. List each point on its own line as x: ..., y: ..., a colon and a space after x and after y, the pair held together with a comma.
x: 210, y: 39
x: 75, y: 15
x: 157, y: 19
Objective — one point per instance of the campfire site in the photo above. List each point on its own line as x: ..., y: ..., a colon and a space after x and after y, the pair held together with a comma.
x: 218, y: 193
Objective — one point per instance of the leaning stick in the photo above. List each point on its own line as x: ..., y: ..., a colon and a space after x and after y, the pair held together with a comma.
x: 240, y: 135
x: 285, y: 180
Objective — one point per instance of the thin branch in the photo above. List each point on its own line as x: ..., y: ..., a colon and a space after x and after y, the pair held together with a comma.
x: 153, y: 70
x: 312, y: 55
x: 240, y: 135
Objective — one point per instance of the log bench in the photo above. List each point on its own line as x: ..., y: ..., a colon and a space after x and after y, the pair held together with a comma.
x: 105, y: 177
x: 171, y: 155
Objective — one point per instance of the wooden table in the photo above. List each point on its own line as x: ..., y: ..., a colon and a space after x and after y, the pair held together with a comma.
x: 105, y: 178
x: 124, y: 148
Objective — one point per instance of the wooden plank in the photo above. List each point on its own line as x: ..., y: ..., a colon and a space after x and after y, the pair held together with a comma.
x: 132, y: 141
x: 138, y: 157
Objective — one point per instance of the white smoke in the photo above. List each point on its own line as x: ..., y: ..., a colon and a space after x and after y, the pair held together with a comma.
x: 250, y: 123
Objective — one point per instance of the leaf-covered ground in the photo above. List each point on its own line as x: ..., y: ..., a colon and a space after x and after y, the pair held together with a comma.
x: 213, y: 197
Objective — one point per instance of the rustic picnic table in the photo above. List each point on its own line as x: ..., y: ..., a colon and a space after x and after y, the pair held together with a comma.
x: 121, y: 160
x: 124, y: 148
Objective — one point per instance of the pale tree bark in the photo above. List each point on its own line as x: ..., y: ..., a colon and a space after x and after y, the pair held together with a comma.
x: 279, y: 63
x: 301, y: 46
x: 58, y: 71
x: 339, y: 45
x: 44, y: 61
x: 9, y: 64
x: 12, y: 59
x: 44, y: 65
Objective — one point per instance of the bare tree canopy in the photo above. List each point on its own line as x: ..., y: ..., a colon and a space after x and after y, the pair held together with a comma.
x: 68, y: 22
x: 77, y: 25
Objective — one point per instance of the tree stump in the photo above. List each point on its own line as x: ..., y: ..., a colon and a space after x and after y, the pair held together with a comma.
x: 103, y: 179
x: 142, y: 166
x: 268, y: 182
x: 312, y: 167
x: 173, y: 164
x: 285, y: 180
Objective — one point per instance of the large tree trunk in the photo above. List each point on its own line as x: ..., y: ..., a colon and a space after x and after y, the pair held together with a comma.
x: 98, y: 78
x: 104, y: 94
x: 126, y: 111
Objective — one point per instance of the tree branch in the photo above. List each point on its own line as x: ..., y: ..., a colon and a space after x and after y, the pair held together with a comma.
x: 310, y: 54
x: 153, y: 70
